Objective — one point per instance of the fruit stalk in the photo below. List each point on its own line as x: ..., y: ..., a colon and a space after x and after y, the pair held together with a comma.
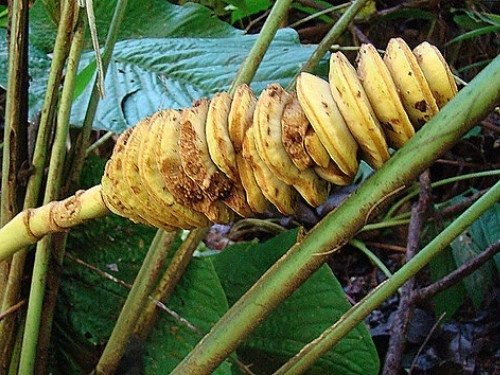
x: 31, y: 225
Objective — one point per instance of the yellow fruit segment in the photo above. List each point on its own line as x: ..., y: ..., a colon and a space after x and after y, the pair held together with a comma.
x: 323, y: 114
x: 383, y: 96
x: 294, y: 126
x: 357, y: 111
x: 437, y: 73
x: 219, y: 144
x: 415, y: 92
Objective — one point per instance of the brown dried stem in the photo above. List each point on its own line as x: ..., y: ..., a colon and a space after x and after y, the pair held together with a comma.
x: 399, y: 326
x: 454, y: 277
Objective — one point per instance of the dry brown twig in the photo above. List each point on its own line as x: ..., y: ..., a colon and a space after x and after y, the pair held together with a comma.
x: 454, y: 277
x: 403, y: 314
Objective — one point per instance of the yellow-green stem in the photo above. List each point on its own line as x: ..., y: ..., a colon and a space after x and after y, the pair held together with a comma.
x: 169, y: 280
x: 136, y: 299
x: 335, y: 32
x: 266, y: 36
x: 42, y: 256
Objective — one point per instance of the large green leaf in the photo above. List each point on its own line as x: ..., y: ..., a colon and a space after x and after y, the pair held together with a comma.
x: 318, y: 303
x: 146, y: 75
x: 198, y: 298
x: 153, y: 18
x: 481, y: 234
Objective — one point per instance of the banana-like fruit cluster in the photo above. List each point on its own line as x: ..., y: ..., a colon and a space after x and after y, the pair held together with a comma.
x: 240, y: 155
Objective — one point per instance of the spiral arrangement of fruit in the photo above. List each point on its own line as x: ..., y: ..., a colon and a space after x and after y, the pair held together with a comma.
x: 240, y: 154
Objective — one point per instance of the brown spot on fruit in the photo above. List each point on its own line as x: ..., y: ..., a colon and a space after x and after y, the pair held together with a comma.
x: 421, y: 106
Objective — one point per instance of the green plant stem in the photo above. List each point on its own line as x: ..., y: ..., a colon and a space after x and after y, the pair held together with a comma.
x: 335, y: 32
x: 136, y: 300
x: 373, y: 258
x: 266, y: 35
x: 56, y: 255
x: 16, y: 351
x: 16, y: 118
x: 83, y: 140
x: 319, y: 14
x: 42, y: 256
x: 99, y: 142
x: 287, y: 274
x: 384, y: 224
x: 415, y: 191
x: 312, y: 351
x: 61, y: 47
x: 169, y: 280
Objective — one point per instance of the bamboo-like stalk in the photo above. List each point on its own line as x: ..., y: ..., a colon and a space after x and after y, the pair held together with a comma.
x: 61, y: 47
x: 52, y: 188
x: 83, y: 140
x: 169, y: 280
x: 335, y: 32
x: 16, y: 118
x: 49, y: 255
x: 470, y: 105
x: 330, y: 337
x: 136, y: 299
x: 29, y: 226
x: 266, y: 36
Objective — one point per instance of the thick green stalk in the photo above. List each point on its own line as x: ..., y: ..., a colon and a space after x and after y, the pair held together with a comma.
x: 82, y: 142
x: 16, y: 113
x: 330, y: 337
x: 136, y: 300
x: 54, y: 256
x: 39, y: 156
x: 169, y: 280
x: 287, y: 274
x: 42, y: 256
x: 335, y: 32
x: 266, y: 36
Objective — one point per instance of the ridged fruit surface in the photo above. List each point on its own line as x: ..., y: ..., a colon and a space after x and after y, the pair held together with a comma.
x: 409, y: 79
x: 242, y: 155
x: 437, y: 73
x: 383, y: 96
